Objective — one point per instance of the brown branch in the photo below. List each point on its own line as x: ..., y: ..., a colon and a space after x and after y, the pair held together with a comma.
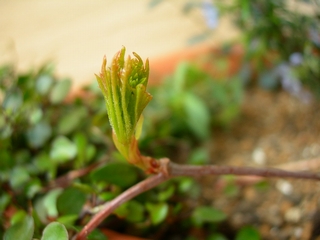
x: 109, y: 207
x: 169, y: 170
x: 189, y: 170
x: 66, y: 180
x: 301, y: 165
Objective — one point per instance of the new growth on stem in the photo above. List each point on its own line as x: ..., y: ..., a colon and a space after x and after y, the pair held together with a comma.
x: 124, y: 88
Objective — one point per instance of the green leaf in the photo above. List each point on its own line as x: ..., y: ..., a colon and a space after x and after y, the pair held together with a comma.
x: 216, y: 236
x: 188, y: 186
x: 71, y: 121
x: 12, y: 101
x: 6, y: 161
x: 71, y: 201
x: 42, y: 162
x: 33, y: 187
x: 35, y: 116
x: 55, y: 231
x: 231, y: 190
x: 121, y: 174
x: 6, y: 132
x: 133, y: 211
x: 17, y: 217
x: 19, y: 177
x: 21, y: 230
x: 38, y: 135
x: 96, y: 234
x: 199, y: 156
x: 43, y: 84
x: 180, y: 77
x: 68, y: 220
x: 158, y: 212
x: 248, y: 233
x: 46, y: 206
x: 59, y: 91
x: 204, y: 214
x: 62, y: 150
x: 166, y: 193
x: 85, y: 151
x: 197, y: 115
x: 4, y: 201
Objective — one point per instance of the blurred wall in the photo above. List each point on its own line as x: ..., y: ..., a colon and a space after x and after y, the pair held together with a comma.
x: 76, y: 34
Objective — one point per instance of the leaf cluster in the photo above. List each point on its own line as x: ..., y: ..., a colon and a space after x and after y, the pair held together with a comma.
x: 194, y: 103
x: 282, y: 41
x: 48, y: 138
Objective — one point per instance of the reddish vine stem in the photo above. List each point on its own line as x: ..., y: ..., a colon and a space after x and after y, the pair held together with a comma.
x: 109, y: 207
x: 189, y: 170
x: 169, y: 170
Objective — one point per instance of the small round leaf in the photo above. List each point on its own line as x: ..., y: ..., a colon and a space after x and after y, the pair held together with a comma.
x: 121, y: 174
x: 158, y: 212
x: 43, y: 84
x: 204, y: 214
x: 248, y: 233
x: 22, y: 230
x: 71, y: 201
x: 62, y: 150
x: 60, y: 91
x: 55, y: 231
x: 39, y: 134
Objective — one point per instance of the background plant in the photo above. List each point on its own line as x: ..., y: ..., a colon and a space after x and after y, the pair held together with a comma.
x: 115, y: 82
x: 57, y: 158
x: 54, y: 150
x: 280, y: 39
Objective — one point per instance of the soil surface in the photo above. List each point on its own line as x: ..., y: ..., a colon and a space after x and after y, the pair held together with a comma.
x: 275, y: 129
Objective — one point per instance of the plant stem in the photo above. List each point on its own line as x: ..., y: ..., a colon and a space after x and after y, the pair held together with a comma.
x: 189, y: 170
x: 127, y: 195
x: 169, y: 170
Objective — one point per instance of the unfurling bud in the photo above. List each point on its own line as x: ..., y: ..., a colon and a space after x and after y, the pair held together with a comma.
x: 124, y: 88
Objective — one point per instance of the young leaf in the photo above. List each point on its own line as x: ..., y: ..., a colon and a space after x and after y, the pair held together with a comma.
x: 158, y: 212
x: 43, y: 84
x: 248, y: 233
x: 62, y: 150
x: 60, y: 91
x: 21, y: 230
x: 39, y: 134
x: 204, y: 214
x: 55, y: 231
x: 72, y: 120
x: 124, y: 88
x: 133, y: 211
x: 121, y: 174
x: 71, y: 201
x: 197, y: 115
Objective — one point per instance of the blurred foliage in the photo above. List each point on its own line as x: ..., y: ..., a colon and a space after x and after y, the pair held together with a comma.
x: 43, y: 136
x: 281, y: 39
x: 194, y: 102
x: 48, y: 136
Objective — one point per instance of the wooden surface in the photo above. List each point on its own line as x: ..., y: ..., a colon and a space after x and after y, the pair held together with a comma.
x: 76, y: 34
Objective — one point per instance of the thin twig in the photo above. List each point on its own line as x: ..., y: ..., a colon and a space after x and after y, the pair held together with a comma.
x: 65, y: 180
x: 189, y: 170
x: 170, y: 170
x: 301, y: 165
x: 130, y: 193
